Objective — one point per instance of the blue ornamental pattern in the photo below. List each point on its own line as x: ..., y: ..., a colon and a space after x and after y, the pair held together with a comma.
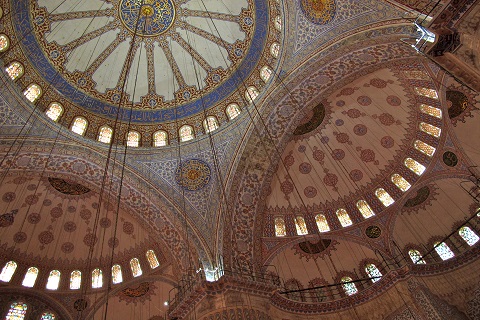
x: 155, y: 17
x: 193, y: 174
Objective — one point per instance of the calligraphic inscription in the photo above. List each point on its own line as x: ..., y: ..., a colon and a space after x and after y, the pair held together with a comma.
x: 147, y: 18
x: 318, y: 11
x: 373, y: 232
x: 193, y: 174
x: 68, y: 187
x: 450, y: 159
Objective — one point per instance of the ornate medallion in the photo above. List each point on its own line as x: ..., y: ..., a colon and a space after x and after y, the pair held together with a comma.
x: 68, y: 187
x: 318, y: 11
x: 450, y: 159
x: 80, y: 304
x: 156, y: 16
x: 373, y: 232
x: 193, y: 174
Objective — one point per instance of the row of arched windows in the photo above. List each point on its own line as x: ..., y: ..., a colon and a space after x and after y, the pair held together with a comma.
x: 398, y: 180
x: 53, y: 280
x: 19, y: 309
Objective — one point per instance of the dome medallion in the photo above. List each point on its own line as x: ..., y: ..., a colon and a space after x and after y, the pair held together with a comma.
x: 155, y: 17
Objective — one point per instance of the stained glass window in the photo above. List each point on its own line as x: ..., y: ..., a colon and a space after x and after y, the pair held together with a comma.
x: 400, y: 182
x: 79, y: 125
x: 434, y: 112
x: 33, y: 92
x: 344, y: 218
x: 430, y: 93
x: 468, y: 235
x: 15, y: 70
x: 414, y: 166
x: 275, y: 49
x: 266, y: 73
x: 431, y: 130
x: 135, y: 266
x: 133, y: 139
x: 8, y: 271
x: 278, y: 23
x: 105, y: 134
x: 210, y: 124
x: 54, y: 111
x: 373, y: 272
x: 301, y: 226
x: 152, y: 259
x: 160, y: 138
x: 424, y: 148
x: 97, y: 278
x: 417, y: 74
x: 416, y: 256
x: 443, y: 250
x: 384, y: 197
x: 365, y: 209
x: 117, y: 276
x: 30, y: 277
x: 251, y: 94
x: 232, y: 111
x: 348, y: 286
x: 17, y: 311
x: 47, y: 316
x: 53, y: 280
x: 280, y: 230
x: 322, y: 223
x: 186, y: 133
x: 4, y: 42
x: 75, y: 279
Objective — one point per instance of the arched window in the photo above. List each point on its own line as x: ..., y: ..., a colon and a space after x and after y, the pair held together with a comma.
x: 4, y: 42
x: 432, y: 111
x: 53, y: 280
x: 275, y: 49
x: 135, y: 266
x: 17, y: 311
x: 186, y: 133
x: 294, y: 285
x: 373, y: 272
x: 468, y: 235
x: 251, y: 94
x: 431, y: 130
x: 301, y: 226
x: 210, y: 124
x: 400, y: 182
x: 75, y: 280
x: 424, y: 148
x: 152, y: 259
x: 79, y: 125
x: 426, y: 92
x: 280, y: 230
x: 344, y: 218
x: 265, y: 73
x: 160, y: 138
x: 322, y: 223
x: 8, y: 271
x: 54, y: 111
x: 97, y: 278
x: 365, y: 209
x: 232, y: 111
x: 443, y: 250
x: 33, y: 92
x: 117, y: 276
x: 416, y: 256
x: 47, y: 316
x: 105, y: 134
x: 415, y: 166
x: 278, y: 23
x: 133, y: 139
x: 384, y: 197
x: 348, y: 286
x: 15, y: 70
x: 30, y: 277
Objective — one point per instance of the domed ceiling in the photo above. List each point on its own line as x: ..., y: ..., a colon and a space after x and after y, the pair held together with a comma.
x: 162, y: 61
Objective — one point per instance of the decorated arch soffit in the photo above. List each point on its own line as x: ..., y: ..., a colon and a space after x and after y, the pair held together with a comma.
x: 306, y: 88
x: 69, y: 175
